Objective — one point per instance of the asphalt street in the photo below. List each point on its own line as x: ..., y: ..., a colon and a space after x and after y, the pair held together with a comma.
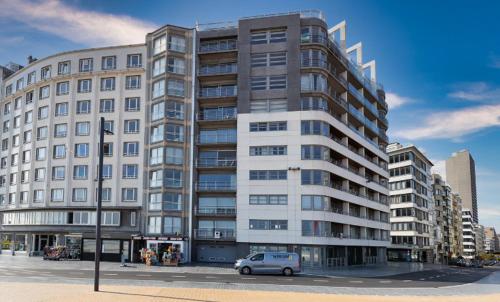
x: 425, y: 279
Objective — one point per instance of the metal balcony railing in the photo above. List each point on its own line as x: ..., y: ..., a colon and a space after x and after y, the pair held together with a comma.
x: 216, y: 163
x: 218, y: 45
x: 218, y: 91
x: 215, y: 69
x: 216, y: 186
x: 217, y: 115
x: 215, y: 234
x: 216, y: 211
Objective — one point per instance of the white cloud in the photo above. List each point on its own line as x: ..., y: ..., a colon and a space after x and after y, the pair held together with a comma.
x: 454, y: 124
x: 439, y: 168
x: 80, y: 26
x: 394, y: 100
x: 476, y: 91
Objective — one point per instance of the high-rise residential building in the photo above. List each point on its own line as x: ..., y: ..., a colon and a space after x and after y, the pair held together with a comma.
x: 456, y: 233
x: 443, y: 219
x: 491, y: 244
x: 469, y: 236
x: 266, y: 134
x: 411, y: 204
x: 461, y: 176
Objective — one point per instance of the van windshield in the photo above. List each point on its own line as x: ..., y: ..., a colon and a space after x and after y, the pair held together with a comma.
x: 250, y: 255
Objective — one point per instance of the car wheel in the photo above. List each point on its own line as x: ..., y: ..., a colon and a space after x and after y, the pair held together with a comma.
x: 246, y: 270
x: 287, y: 271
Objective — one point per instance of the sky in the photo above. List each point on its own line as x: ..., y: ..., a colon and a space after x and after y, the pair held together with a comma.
x: 439, y: 61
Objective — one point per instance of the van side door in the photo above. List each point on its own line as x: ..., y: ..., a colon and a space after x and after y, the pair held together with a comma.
x: 257, y: 263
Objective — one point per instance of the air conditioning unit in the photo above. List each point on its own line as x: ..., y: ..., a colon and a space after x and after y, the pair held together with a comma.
x: 217, y: 234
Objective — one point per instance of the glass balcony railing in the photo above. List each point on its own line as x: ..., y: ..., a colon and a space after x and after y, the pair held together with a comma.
x: 216, y: 163
x: 217, y: 138
x: 216, y: 211
x: 216, y: 233
x: 219, y: 114
x: 216, y: 186
x: 218, y: 45
x: 363, y: 100
x: 218, y: 69
x: 218, y: 91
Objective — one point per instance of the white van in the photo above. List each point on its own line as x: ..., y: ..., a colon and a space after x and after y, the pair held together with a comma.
x: 269, y: 263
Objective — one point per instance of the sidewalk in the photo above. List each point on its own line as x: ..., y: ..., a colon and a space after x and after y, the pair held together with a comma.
x: 392, y: 268
x: 28, y: 292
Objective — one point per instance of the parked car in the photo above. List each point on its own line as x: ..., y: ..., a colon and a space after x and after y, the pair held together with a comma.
x: 269, y: 263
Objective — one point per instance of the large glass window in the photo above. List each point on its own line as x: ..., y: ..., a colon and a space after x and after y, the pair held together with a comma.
x: 159, y: 66
x: 176, y: 43
x: 173, y: 178
x: 159, y: 45
x: 176, y: 65
x: 175, y: 88
x: 174, y: 133
x: 158, y: 88
x: 171, y: 225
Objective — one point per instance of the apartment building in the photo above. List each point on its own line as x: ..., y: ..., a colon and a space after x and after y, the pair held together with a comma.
x: 265, y: 134
x: 491, y: 244
x: 456, y: 233
x: 411, y: 204
x: 479, y: 235
x: 49, y: 115
x: 469, y: 235
x: 443, y: 220
x: 461, y: 176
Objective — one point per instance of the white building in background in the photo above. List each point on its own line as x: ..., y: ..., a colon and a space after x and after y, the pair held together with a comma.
x: 469, y: 235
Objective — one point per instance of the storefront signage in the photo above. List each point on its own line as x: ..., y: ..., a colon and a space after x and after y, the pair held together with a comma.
x: 159, y: 238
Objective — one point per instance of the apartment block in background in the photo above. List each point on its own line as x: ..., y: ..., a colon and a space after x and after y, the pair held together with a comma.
x: 443, y: 219
x: 411, y: 204
x: 469, y: 235
x: 456, y: 233
x: 491, y: 244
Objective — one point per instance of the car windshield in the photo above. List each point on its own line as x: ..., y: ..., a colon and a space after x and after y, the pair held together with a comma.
x: 250, y: 255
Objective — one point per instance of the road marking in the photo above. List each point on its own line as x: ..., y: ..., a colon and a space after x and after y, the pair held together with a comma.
x: 248, y: 278
x: 76, y: 273
x: 144, y: 275
x: 355, y: 281
x: 110, y: 274
x: 320, y: 280
x: 385, y: 281
x: 286, y: 279
x: 406, y: 280
x: 177, y: 276
x: 210, y: 277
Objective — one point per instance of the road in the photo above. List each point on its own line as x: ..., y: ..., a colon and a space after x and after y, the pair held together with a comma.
x: 425, y: 279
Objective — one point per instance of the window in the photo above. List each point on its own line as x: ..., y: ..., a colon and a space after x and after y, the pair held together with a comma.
x: 131, y: 148
x: 258, y: 60
x: 12, y: 198
x: 58, y: 173
x: 258, y: 83
x: 154, y: 224
x: 131, y: 126
x: 59, y: 151
x: 108, y: 84
x: 61, y: 109
x: 41, y: 153
x: 268, y: 174
x: 134, y: 60
x: 108, y: 149
x: 57, y: 195
x: 107, y: 105
x: 268, y: 82
x: 14, y: 159
x: 159, y: 66
x: 313, y: 82
x: 108, y: 63
x: 176, y: 65
x: 86, y: 65
x: 269, y: 36
x: 81, y: 150
x: 176, y: 43
x: 316, y: 152
x: 105, y: 196
x: 23, y: 198
x: 42, y: 133
x: 259, y: 224
x: 268, y: 126
x: 132, y: 104
x: 156, y: 156
x: 17, y: 103
x: 173, y: 202
x: 82, y: 107
x: 5, y: 144
x: 28, y: 117
x: 268, y: 199
x: 43, y: 112
x: 174, y: 156
x: 156, y: 179
x: 155, y: 202
x: 133, y: 82
x: 6, y: 126
x: 13, y: 178
x: 159, y: 45
x: 158, y: 88
x: 175, y: 110
x: 26, y: 156
x: 44, y: 92
x: 80, y: 172
x: 38, y: 196
x: 64, y: 68
x: 315, y: 128
x: 45, y: 72
x: 82, y: 128
x: 17, y: 121
x: 31, y: 77
x: 314, y: 202
x: 40, y: 174
x: 130, y: 171
x: 156, y: 133
x: 129, y: 194
x: 62, y: 88
x: 84, y: 86
x: 173, y: 178
x: 107, y: 171
x: 60, y: 130
x: 158, y: 111
x: 29, y: 97
x: 174, y: 133
x: 268, y: 150
x: 268, y: 59
x: 171, y: 225
x: 315, y: 177
x: 79, y: 194
x: 175, y: 88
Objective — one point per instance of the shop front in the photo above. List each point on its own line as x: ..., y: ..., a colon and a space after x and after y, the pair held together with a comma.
x: 112, y: 249
x: 163, y: 248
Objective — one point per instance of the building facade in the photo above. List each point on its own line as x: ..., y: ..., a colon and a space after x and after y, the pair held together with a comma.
x: 456, y: 233
x: 411, y: 204
x: 443, y: 220
x: 461, y: 176
x: 49, y: 115
x: 469, y: 235
x: 479, y: 235
x: 491, y: 244
x: 267, y: 134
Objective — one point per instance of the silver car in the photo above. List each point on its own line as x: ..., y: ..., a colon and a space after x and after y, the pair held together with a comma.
x: 269, y: 263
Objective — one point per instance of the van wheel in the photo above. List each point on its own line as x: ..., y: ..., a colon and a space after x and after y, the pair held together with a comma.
x: 246, y: 271
x: 287, y: 271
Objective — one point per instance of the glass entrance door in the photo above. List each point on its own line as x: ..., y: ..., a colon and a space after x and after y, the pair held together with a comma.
x: 311, y: 256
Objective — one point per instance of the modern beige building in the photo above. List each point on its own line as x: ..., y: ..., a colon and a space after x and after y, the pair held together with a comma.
x: 491, y: 244
x: 461, y: 176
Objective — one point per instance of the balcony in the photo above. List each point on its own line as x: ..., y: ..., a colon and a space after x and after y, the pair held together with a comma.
x: 216, y: 211
x: 218, y: 46
x: 216, y: 163
x: 215, y: 234
x: 216, y: 186
x: 217, y: 69
x: 217, y: 139
x: 218, y: 91
x: 218, y: 114
x: 307, y: 63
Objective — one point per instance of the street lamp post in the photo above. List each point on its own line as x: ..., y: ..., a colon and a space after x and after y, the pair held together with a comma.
x: 98, y: 241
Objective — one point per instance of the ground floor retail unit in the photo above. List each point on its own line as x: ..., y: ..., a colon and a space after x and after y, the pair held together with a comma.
x: 410, y: 255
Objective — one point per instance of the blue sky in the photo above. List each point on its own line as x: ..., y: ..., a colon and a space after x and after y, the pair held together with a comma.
x: 439, y: 61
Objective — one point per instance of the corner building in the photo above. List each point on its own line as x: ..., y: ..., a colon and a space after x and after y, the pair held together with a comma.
x: 266, y: 134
